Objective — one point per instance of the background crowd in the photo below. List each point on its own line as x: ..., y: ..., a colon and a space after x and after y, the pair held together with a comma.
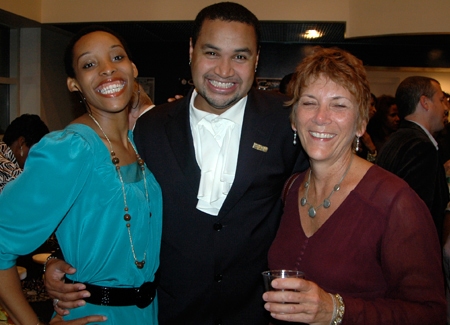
x: 186, y: 197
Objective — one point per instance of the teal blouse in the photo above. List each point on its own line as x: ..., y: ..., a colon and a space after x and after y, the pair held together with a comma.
x: 70, y: 184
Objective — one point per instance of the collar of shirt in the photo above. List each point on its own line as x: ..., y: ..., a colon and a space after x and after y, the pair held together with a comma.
x: 432, y: 139
x: 234, y: 113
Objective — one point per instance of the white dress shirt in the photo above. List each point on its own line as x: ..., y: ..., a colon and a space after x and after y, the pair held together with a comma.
x: 216, y: 142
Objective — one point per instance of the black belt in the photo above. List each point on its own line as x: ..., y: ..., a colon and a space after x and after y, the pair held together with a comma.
x: 113, y: 296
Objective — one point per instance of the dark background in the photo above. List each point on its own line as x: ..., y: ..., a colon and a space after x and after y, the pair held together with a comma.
x: 161, y: 49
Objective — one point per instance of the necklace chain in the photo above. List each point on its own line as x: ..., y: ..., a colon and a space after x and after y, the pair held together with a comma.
x: 127, y: 216
x: 312, y: 211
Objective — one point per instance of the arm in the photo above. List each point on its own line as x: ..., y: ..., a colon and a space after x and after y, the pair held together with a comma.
x: 49, y: 200
x: 16, y: 305
x: 13, y: 300
x: 410, y: 258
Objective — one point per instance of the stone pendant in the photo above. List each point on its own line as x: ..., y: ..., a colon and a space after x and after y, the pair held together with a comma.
x: 312, y: 212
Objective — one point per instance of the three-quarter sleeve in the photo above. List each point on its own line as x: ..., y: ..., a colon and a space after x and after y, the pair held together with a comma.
x: 35, y: 203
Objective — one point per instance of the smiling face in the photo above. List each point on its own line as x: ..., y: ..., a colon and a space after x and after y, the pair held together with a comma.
x: 103, y: 72
x: 326, y: 119
x: 223, y: 63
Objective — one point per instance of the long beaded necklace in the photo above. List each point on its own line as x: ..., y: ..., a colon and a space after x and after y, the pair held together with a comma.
x: 312, y: 211
x: 127, y: 216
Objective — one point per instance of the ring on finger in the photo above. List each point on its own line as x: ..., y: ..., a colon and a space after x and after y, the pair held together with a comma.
x: 55, y: 302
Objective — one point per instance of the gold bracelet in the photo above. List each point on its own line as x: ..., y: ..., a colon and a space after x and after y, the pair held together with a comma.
x: 340, y: 310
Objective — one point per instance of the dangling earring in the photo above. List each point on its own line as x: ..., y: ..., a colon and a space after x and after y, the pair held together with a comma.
x: 21, y: 151
x: 189, y: 61
x: 358, y: 146
x: 294, y: 142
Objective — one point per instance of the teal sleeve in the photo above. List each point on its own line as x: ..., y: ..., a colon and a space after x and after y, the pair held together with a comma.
x: 34, y: 204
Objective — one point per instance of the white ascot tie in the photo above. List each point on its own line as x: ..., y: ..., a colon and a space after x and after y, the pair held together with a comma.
x: 217, y: 169
x: 216, y: 140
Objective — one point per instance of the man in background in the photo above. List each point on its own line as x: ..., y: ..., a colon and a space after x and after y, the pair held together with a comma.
x: 411, y: 152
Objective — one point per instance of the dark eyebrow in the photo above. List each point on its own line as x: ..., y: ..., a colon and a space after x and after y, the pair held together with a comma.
x: 213, y: 47
x: 112, y: 47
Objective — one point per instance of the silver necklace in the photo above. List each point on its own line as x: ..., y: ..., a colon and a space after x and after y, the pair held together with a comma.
x: 312, y: 211
x: 127, y: 216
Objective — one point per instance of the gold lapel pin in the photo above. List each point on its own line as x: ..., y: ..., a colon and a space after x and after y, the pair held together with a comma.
x: 259, y: 147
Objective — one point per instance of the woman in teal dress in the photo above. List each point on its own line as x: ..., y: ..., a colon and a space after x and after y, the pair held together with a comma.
x: 89, y: 183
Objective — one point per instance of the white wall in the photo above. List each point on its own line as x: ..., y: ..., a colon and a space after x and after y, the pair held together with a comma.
x: 363, y: 17
x: 30, y: 71
x: 384, y: 81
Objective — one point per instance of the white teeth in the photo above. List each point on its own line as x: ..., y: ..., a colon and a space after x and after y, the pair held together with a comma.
x: 322, y: 135
x: 111, y: 89
x: 219, y: 84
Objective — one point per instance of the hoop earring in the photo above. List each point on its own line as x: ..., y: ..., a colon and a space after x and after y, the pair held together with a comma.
x: 294, y: 142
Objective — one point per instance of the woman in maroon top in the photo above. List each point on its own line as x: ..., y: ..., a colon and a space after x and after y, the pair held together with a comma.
x: 364, y: 239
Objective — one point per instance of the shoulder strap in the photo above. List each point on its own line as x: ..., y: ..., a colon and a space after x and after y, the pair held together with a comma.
x: 288, y: 185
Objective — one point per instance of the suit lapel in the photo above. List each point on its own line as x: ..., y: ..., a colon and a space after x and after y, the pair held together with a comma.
x: 256, y: 130
x: 179, y: 134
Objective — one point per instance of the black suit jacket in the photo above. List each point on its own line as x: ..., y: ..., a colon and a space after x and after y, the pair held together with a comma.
x: 211, y: 266
x: 410, y: 154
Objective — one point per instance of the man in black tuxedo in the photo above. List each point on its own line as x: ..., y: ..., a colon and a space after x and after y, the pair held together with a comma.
x: 411, y: 152
x: 221, y: 155
x: 214, y: 246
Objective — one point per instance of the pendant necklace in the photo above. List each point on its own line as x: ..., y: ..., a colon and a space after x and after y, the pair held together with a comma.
x: 312, y: 211
x: 127, y: 216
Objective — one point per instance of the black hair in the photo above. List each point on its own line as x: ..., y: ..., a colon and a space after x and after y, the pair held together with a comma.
x: 409, y: 92
x: 68, y: 54
x: 29, y: 126
x: 284, y: 83
x: 226, y: 11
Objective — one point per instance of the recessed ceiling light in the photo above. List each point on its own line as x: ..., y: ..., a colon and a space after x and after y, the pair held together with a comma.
x: 312, y: 33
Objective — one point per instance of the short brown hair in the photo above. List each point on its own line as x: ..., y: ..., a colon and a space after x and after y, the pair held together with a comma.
x: 410, y: 90
x: 339, y: 66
